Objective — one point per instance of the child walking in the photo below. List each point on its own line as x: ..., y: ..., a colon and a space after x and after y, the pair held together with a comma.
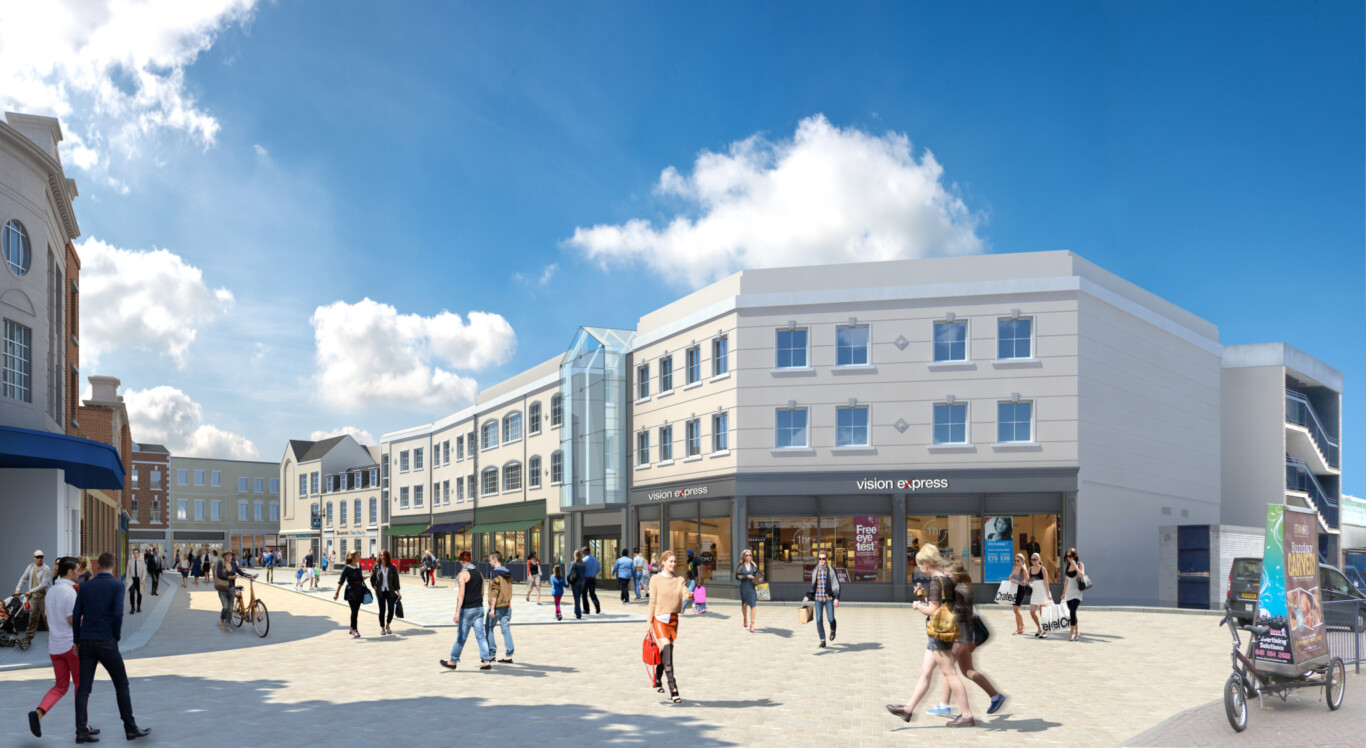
x: 557, y: 585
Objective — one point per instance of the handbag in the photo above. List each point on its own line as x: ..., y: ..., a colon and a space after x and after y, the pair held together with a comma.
x: 649, y: 654
x: 804, y: 613
x: 943, y: 625
x: 761, y: 591
x: 222, y: 584
x: 398, y: 608
x: 1006, y: 592
x: 367, y: 599
x: 980, y: 632
x: 1084, y: 583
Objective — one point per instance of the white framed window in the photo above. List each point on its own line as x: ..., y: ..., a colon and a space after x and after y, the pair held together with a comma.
x: 792, y: 349
x: 242, y: 484
x: 417, y: 495
x: 403, y: 497
x: 216, y: 511
x: 852, y: 346
x: 275, y: 485
x: 642, y: 381
x: 258, y: 511
x: 436, y: 493
x: 182, y: 476
x: 951, y: 341
x: 533, y: 418
x: 488, y: 482
x: 241, y: 511
x: 446, y: 452
x: 533, y: 471
x: 459, y: 489
x: 18, y: 375
x: 851, y: 426
x: 275, y: 511
x: 417, y: 458
x: 182, y: 509
x: 693, y: 431
x: 374, y: 510
x: 156, y: 510
x: 720, y: 356
x: 1015, y: 337
x: 557, y: 467
x: 720, y: 432
x: 1015, y: 421
x: 489, y: 438
x: 693, y: 364
x: 199, y: 477
x: 790, y: 428
x: 666, y: 374
x: 445, y: 493
x: 512, y: 428
x: 313, y: 482
x: 215, y: 478
x: 556, y: 411
x: 134, y: 511
x: 643, y: 448
x: 459, y: 448
x: 135, y: 478
x: 341, y: 517
x: 403, y: 461
x: 951, y: 423
x: 666, y: 443
x: 512, y: 477
x: 17, y: 249
x: 156, y: 479
x: 258, y: 485
x: 303, y: 485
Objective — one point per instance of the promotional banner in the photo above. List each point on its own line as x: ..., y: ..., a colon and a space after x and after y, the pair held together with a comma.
x: 866, y: 548
x: 999, y: 532
x: 1289, y: 601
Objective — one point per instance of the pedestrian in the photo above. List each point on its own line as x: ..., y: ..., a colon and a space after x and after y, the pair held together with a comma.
x: 269, y: 560
x: 690, y: 574
x: 625, y: 571
x: 748, y: 573
x: 34, y: 584
x: 61, y: 648
x: 385, y: 583
x: 533, y: 577
x: 965, y: 645
x: 578, y: 584
x: 83, y: 574
x: 938, y: 653
x: 207, y: 562
x: 825, y: 590
x: 183, y: 565
x: 500, y: 608
x: 1020, y: 576
x: 196, y: 568
x: 134, y: 577
x: 592, y: 568
x: 212, y: 564
x: 153, y: 570
x: 469, y: 613
x: 1071, y: 589
x: 1039, y: 595
x: 557, y: 583
x: 96, y: 625
x: 650, y: 569
x: 225, y: 574
x: 326, y: 561
x: 668, y: 593
x: 428, y: 569
x: 637, y: 570
x: 317, y: 576
x: 354, y: 582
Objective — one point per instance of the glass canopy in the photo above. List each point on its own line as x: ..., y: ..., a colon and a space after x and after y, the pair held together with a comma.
x: 593, y: 391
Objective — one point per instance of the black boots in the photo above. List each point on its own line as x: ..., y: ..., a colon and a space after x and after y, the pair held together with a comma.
x: 666, y: 657
x: 832, y: 629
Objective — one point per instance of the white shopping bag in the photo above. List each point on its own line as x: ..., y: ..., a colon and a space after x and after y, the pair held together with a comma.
x: 1006, y: 592
x: 1049, y: 619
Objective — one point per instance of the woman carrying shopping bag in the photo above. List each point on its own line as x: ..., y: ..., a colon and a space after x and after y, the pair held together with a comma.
x: 937, y: 607
x: 1020, y: 576
x: 1040, y: 599
x: 668, y: 592
x: 1072, y: 574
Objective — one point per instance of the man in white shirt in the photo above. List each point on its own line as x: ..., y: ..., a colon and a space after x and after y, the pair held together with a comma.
x: 61, y: 649
x: 136, y: 573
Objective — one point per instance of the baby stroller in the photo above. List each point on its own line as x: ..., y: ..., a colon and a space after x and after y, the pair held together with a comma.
x: 13, y: 623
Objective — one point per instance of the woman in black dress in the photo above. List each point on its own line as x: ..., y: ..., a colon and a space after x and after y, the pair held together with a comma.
x: 747, y: 573
x: 354, y: 582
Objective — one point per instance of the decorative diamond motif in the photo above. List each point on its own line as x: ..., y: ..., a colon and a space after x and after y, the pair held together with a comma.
x: 901, y: 342
x: 901, y: 425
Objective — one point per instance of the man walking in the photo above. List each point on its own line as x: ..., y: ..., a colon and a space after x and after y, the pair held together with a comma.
x: 624, y: 569
x: 61, y: 649
x: 37, y: 578
x: 592, y: 567
x: 153, y: 569
x: 96, y: 624
x: 500, y: 608
x: 269, y: 560
x: 825, y: 588
x: 469, y: 613
x: 135, y: 574
x: 637, y: 571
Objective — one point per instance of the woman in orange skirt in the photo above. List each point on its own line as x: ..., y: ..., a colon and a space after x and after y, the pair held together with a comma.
x: 668, y: 592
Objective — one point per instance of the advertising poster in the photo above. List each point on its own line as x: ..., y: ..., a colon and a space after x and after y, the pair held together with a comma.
x: 1000, y: 540
x: 1289, y: 601
x: 866, y: 548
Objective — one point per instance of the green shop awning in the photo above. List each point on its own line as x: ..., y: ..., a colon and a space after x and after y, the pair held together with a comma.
x: 518, y: 526
x: 405, y: 529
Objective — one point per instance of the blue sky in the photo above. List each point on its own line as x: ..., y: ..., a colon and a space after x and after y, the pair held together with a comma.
x: 438, y: 157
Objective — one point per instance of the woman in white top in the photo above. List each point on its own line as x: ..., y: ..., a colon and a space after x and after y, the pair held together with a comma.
x: 1071, y: 575
x: 1039, y: 595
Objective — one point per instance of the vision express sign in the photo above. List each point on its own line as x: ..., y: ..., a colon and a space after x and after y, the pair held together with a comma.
x: 677, y: 493
x: 862, y: 484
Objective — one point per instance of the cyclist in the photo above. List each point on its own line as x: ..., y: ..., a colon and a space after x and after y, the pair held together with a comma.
x: 225, y: 574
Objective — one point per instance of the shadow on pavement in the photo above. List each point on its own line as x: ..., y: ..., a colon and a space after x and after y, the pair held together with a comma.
x: 993, y: 724
x: 839, y: 648
x: 189, y: 631
x: 784, y: 633
x: 754, y: 703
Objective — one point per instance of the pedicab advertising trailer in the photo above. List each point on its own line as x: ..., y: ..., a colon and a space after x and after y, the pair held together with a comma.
x: 1290, y: 603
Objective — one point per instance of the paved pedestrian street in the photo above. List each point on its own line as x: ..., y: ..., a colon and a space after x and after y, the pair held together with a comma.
x: 584, y: 685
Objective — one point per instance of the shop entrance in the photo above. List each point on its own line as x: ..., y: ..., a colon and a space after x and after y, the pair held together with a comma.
x: 606, y: 548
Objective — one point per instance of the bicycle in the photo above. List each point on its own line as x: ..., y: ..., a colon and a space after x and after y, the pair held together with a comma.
x: 254, y: 611
x: 1247, y: 680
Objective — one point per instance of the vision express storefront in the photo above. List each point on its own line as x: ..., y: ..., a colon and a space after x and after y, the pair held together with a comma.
x: 871, y: 525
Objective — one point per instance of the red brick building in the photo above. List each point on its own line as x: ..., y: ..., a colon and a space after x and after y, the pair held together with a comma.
x: 148, y: 514
x: 104, y: 418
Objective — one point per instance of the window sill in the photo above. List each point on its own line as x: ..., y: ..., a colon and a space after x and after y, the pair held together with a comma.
x: 554, y: 426
x: 794, y: 371
x: 646, y: 466
x: 792, y: 452
x: 722, y: 453
x: 857, y: 369
x: 953, y: 447
x: 1020, y: 363
x: 536, y: 487
x: 537, y: 432
x: 862, y: 449
x: 665, y: 393
x: 694, y: 458
x: 486, y: 449
x: 952, y: 365
x: 640, y: 400
x: 511, y: 490
x: 1017, y: 447
x: 719, y: 377
x: 665, y: 463
x: 693, y: 385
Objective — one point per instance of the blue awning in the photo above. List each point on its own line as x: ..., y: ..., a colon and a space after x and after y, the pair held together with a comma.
x: 88, y: 464
x: 450, y: 527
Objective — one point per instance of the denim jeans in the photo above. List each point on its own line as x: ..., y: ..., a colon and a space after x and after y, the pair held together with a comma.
x: 635, y: 577
x: 471, y: 619
x: 106, y: 654
x: 827, y: 607
x: 502, y: 617
x: 225, y: 600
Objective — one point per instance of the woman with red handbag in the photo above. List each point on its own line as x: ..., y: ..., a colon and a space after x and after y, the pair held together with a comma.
x: 668, y: 592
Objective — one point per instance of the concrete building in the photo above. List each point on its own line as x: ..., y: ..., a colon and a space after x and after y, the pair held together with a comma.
x: 148, y: 515
x: 301, y: 473
x: 223, y: 504
x: 44, y: 467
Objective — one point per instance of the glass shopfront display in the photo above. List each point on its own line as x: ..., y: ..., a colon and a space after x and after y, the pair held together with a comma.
x: 859, y: 547
x: 960, y: 537
x: 557, y: 542
x: 649, y: 539
x: 784, y: 546
x: 703, y: 528
x: 451, y: 544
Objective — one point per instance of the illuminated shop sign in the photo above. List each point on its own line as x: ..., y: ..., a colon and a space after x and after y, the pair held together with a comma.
x: 680, y: 493
x: 902, y: 484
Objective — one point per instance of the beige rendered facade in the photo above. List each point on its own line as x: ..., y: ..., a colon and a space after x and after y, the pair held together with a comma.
x: 223, y: 504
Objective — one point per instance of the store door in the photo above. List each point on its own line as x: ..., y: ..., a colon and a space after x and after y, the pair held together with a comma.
x: 606, y: 548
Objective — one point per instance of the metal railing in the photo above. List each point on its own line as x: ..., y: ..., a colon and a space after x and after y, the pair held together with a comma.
x: 1345, y: 621
x: 1299, y: 412
x: 1298, y: 477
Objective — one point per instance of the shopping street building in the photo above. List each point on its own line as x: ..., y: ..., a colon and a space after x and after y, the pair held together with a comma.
x: 991, y: 405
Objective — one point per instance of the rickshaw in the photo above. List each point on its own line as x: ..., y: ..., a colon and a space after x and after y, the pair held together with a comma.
x: 1276, y: 679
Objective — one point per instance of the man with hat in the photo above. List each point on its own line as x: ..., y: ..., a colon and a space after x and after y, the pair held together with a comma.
x: 38, y: 579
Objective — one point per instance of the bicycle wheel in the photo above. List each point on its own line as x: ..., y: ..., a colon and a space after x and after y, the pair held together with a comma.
x: 260, y: 619
x: 1235, y: 702
x: 1335, y: 683
x: 237, y: 614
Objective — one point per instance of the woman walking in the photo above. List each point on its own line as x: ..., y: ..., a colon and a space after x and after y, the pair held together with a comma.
x: 225, y: 573
x: 533, y: 577
x: 384, y: 582
x: 83, y: 574
x: 1020, y: 576
x: 650, y: 570
x: 578, y: 583
x: 1071, y: 588
x: 938, y: 653
x: 182, y: 564
x: 557, y: 584
x: 668, y: 592
x: 1039, y: 596
x: 196, y: 568
x: 747, y: 572
x: 966, y: 644
x: 354, y: 582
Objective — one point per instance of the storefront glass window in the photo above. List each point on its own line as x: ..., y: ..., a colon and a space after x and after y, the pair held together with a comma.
x: 862, y: 545
x: 557, y: 542
x: 783, y: 546
x: 958, y: 537
x: 714, y: 549
x: 650, y: 543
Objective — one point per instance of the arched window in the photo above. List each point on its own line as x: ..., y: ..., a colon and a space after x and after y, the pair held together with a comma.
x: 533, y: 472
x: 557, y: 467
x: 512, y: 427
x: 357, y: 516
x: 373, y: 507
x: 556, y: 411
x: 490, y: 434
x: 512, y: 476
x: 17, y: 252
x: 343, y: 512
x: 329, y: 514
x: 533, y: 418
x: 489, y: 482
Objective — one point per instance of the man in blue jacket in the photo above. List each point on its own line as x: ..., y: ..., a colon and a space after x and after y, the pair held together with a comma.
x: 592, y: 567
x: 624, y: 570
x: 96, y: 625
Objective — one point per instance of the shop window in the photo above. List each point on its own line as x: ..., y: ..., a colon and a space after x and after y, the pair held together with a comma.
x: 862, y: 546
x: 784, y: 547
x: 650, y: 541
x: 713, y: 548
x: 951, y: 341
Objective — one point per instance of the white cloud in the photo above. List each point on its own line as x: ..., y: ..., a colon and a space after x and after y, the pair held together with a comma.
x: 826, y: 195
x: 113, y: 70
x: 369, y: 353
x: 143, y: 299
x: 165, y: 415
x: 538, y: 281
x: 261, y: 152
x: 360, y: 435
